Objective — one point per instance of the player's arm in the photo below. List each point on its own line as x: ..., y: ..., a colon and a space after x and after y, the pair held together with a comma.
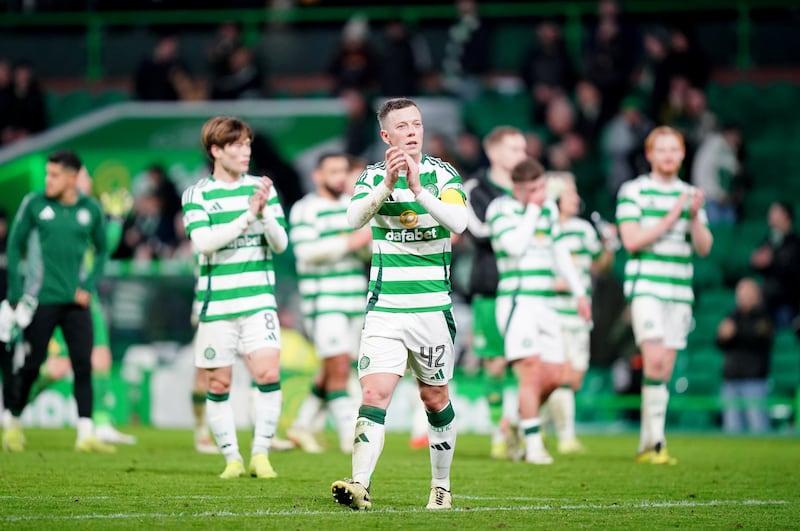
x: 702, y: 239
x: 450, y: 211
x: 309, y: 246
x: 99, y: 240
x: 510, y: 233
x: 17, y: 244
x: 366, y: 201
x: 205, y: 239
x: 274, y: 222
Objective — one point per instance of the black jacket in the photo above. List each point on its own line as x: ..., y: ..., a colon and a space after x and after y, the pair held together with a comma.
x: 480, y: 191
x: 747, y: 353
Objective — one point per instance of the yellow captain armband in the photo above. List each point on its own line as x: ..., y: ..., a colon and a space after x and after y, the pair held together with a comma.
x: 452, y: 197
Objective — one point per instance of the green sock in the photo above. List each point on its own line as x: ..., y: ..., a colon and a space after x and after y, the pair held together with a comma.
x: 101, y: 383
x: 494, y: 395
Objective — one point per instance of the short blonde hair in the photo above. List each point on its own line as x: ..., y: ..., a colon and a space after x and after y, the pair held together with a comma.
x: 497, y: 134
x: 662, y: 130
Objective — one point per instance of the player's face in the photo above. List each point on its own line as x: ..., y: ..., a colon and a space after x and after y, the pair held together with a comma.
x: 508, y: 152
x: 570, y: 202
x: 403, y: 129
x: 234, y: 157
x: 534, y: 191
x: 58, y: 180
x: 666, y: 155
x: 333, y: 175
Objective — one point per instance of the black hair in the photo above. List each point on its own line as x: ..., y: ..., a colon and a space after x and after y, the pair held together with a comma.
x: 68, y: 159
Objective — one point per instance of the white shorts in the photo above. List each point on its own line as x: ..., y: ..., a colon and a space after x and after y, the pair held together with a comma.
x: 576, y: 348
x: 217, y: 343
x: 423, y: 342
x: 529, y: 328
x: 335, y: 333
x: 655, y: 319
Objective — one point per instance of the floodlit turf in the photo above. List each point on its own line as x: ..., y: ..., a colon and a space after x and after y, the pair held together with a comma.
x: 161, y: 482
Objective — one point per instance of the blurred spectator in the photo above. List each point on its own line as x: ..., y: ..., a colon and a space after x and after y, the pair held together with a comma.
x: 360, y: 122
x: 354, y: 66
x: 467, y: 52
x: 534, y: 145
x: 28, y: 111
x: 6, y: 95
x: 715, y: 170
x: 700, y: 121
x: 163, y: 77
x: 547, y: 70
x: 227, y: 39
x: 406, y: 59
x: 147, y: 233
x: 592, y: 113
x: 685, y: 59
x: 469, y: 156
x: 611, y: 54
x: 162, y: 186
x: 622, y: 144
x: 243, y: 80
x: 746, y: 337
x: 652, y: 79
x: 777, y: 259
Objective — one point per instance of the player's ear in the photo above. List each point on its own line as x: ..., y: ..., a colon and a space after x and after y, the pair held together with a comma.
x: 385, y: 137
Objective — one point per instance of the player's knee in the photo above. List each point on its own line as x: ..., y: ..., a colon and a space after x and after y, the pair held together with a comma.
x: 338, y: 367
x: 435, y: 398
x: 528, y: 370
x: 265, y: 375
x: 376, y: 396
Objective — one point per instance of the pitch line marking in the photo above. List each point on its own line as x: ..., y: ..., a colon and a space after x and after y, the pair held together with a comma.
x: 342, y: 511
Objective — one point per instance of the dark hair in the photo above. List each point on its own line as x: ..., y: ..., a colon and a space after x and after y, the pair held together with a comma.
x: 330, y: 155
x: 68, y: 159
x: 527, y: 170
x: 393, y: 105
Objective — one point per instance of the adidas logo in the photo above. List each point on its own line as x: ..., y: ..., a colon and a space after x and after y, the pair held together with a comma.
x: 216, y: 207
x: 47, y: 213
x: 439, y: 375
x: 441, y: 446
x: 361, y: 438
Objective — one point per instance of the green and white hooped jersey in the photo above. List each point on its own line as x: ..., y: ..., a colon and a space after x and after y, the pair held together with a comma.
x: 238, y: 279
x: 411, y: 251
x: 338, y: 286
x: 579, y: 236
x: 664, y: 268
x: 533, y: 273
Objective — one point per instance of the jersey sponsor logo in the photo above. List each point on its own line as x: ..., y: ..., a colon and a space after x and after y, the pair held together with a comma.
x: 409, y: 218
x: 247, y: 240
x: 47, y: 213
x: 84, y: 216
x: 408, y: 235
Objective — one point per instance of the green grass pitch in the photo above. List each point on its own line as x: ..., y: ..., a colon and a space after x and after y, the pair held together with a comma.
x: 162, y: 483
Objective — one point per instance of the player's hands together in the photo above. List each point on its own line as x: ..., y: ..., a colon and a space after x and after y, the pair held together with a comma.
x: 585, y: 308
x: 696, y: 202
x: 395, y: 163
x: 258, y: 201
x: 412, y: 175
x: 82, y: 297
